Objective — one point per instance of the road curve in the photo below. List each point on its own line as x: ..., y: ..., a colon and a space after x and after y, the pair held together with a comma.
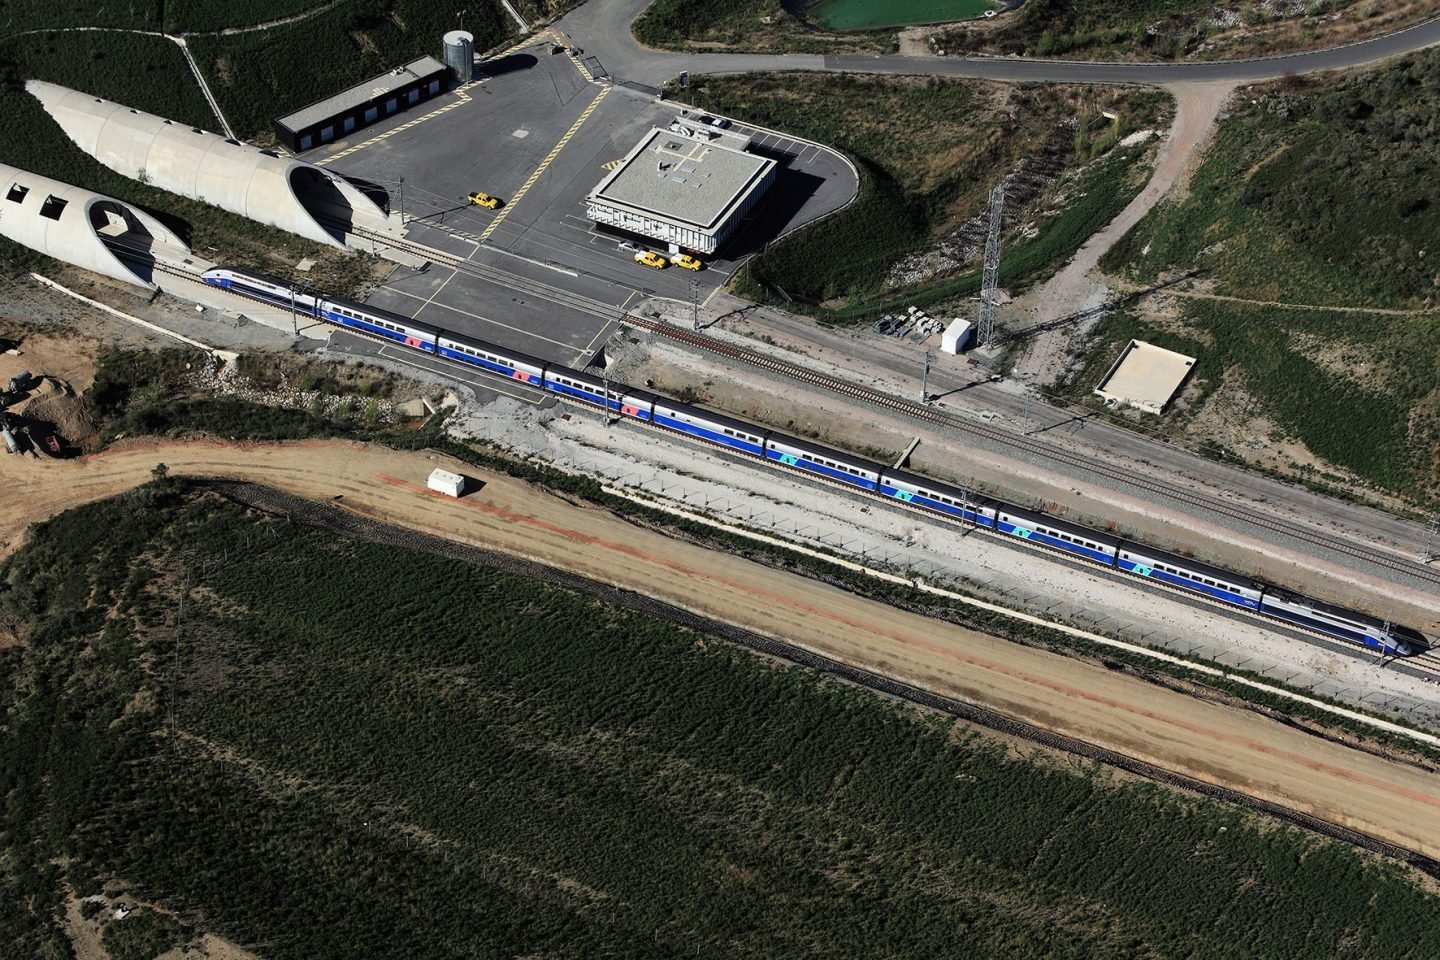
x: 601, y: 28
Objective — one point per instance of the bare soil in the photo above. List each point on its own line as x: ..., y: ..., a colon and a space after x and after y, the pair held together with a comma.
x: 1209, y: 741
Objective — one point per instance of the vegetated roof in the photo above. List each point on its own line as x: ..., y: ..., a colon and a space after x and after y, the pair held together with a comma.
x: 361, y: 93
x: 688, y: 181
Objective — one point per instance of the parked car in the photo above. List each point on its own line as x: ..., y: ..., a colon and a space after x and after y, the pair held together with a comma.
x: 686, y: 261
x: 652, y: 259
x: 481, y: 199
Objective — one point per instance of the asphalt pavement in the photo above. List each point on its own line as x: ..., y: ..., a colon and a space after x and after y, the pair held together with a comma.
x: 602, y: 29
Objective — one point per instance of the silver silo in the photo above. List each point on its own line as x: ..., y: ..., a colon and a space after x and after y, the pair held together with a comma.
x: 460, y: 55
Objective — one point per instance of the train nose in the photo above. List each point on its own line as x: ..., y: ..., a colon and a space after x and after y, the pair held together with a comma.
x: 1403, y: 650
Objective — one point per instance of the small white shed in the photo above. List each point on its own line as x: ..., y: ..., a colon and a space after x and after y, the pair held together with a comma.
x: 956, y: 336
x: 443, y: 481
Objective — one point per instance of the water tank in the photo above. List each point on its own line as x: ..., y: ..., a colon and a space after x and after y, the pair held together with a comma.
x: 460, y: 55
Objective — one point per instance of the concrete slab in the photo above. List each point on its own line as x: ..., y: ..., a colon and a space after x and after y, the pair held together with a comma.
x: 1145, y: 376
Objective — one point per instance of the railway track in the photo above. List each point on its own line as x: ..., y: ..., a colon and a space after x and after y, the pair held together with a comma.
x: 495, y: 275
x: 1429, y: 670
x: 1044, y: 451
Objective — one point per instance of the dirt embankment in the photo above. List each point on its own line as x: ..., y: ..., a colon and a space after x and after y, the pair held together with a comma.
x: 1210, y: 742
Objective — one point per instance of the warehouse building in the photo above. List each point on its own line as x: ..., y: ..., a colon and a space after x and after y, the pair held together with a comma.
x: 690, y: 191
x: 362, y: 105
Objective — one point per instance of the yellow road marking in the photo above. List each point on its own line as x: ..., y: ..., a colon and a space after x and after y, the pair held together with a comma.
x: 611, y: 165
x: 462, y: 98
x: 500, y: 217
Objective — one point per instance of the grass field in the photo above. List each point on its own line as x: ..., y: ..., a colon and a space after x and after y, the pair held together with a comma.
x: 1320, y: 196
x: 1358, y: 394
x: 916, y: 189
x: 485, y: 765
x: 870, y: 14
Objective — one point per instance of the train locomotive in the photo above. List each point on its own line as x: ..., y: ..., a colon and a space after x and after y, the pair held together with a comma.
x: 804, y: 456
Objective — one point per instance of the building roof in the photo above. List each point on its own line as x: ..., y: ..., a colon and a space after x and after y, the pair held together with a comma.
x: 689, y: 182
x: 260, y: 184
x: 361, y: 93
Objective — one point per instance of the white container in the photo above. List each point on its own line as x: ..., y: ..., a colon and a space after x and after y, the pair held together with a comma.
x: 956, y: 336
x: 443, y: 481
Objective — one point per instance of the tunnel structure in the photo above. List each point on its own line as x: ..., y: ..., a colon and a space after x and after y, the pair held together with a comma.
x: 262, y: 185
x: 85, y: 229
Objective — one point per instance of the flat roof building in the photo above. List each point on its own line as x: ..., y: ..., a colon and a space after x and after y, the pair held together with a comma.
x: 362, y: 104
x: 689, y: 192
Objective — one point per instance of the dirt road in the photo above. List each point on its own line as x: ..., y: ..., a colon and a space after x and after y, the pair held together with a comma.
x: 1197, y: 106
x: 1206, y: 741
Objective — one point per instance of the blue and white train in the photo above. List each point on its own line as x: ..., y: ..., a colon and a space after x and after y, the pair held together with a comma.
x: 897, y: 486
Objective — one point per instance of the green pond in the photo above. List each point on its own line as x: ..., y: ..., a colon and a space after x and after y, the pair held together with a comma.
x: 866, y: 14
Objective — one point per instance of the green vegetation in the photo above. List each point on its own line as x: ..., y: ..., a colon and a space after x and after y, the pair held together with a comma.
x: 144, y: 935
x: 192, y: 16
x: 915, y: 189
x: 261, y: 75
x: 150, y: 74
x: 859, y: 14
x: 1177, y: 29
x: 1319, y: 196
x: 754, y: 25
x: 358, y: 771
x: 1314, y: 374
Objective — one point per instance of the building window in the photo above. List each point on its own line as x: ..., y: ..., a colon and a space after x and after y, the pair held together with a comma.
x: 17, y: 193
x: 53, y: 207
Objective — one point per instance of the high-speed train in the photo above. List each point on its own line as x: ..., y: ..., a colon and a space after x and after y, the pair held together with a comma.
x: 898, y: 486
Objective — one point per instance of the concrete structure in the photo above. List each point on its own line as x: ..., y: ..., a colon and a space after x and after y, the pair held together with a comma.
x: 443, y: 481
x: 1145, y: 376
x: 260, y: 184
x: 688, y: 192
x: 83, y: 228
x: 362, y: 104
x: 956, y: 336
x: 460, y: 55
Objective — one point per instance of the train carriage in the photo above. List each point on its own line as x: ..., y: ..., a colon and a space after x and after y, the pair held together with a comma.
x: 1336, y: 621
x: 1070, y: 537
x: 580, y: 386
x: 814, y: 458
x: 715, y: 427
x: 922, y: 492
x: 1188, y: 574
x: 261, y: 287
x: 507, y: 363
x: 381, y: 323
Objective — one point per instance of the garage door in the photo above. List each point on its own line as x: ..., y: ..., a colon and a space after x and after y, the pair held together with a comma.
x: 327, y: 134
x: 390, y: 105
x: 414, y: 96
x: 349, y: 124
x: 306, y: 142
x: 371, y: 114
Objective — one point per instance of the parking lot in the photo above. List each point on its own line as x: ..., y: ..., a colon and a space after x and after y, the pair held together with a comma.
x: 538, y: 275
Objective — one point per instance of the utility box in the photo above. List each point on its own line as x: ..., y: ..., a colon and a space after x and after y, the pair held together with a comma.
x: 443, y: 481
x: 956, y: 336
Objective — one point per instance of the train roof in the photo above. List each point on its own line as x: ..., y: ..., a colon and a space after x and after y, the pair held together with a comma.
x: 1198, y: 566
x: 380, y: 312
x: 820, y: 450
x: 711, y: 416
x: 1060, y: 523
